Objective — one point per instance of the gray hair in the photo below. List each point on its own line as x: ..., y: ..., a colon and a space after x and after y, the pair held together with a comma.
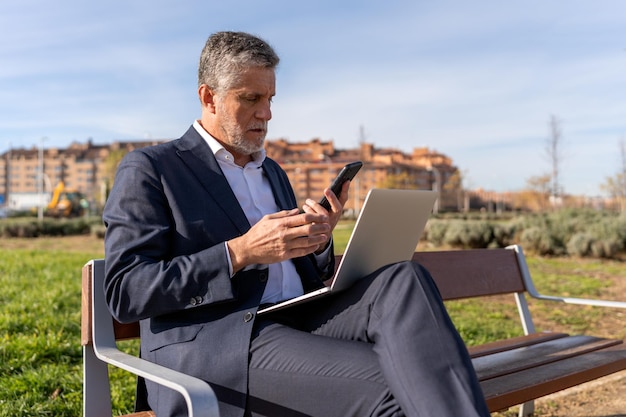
x: 227, y: 54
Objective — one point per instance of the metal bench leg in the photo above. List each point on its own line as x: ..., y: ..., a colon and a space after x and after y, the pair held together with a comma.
x: 96, y: 388
x: 527, y: 409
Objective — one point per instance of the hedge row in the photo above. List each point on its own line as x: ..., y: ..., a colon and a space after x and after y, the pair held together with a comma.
x: 583, y: 233
x: 28, y: 227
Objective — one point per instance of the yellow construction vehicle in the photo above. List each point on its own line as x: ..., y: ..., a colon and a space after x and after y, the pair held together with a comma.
x: 66, y: 202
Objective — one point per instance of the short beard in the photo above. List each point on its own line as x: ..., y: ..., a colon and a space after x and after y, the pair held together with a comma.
x: 235, y: 136
x: 243, y: 146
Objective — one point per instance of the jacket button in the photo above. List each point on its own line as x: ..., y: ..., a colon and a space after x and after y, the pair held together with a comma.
x: 248, y: 316
x: 263, y: 276
x: 195, y: 300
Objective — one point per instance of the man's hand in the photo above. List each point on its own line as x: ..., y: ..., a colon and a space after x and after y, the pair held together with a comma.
x: 280, y: 236
x: 336, y: 208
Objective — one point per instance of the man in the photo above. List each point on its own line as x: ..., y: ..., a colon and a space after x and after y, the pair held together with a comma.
x: 203, y: 230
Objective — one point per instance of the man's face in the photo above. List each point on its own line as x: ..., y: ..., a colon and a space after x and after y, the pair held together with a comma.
x: 243, y: 111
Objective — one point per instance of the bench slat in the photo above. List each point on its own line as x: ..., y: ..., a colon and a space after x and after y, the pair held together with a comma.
x: 519, y: 387
x: 512, y: 343
x: 473, y: 272
x: 516, y: 360
x: 86, y: 306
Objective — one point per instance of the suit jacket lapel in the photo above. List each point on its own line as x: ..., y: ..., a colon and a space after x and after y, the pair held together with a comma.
x: 280, y: 195
x: 197, y: 155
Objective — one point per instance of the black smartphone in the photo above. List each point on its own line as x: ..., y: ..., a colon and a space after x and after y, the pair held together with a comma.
x: 347, y: 173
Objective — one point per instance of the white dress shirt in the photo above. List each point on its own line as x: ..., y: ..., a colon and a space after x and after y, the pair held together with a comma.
x: 254, y: 193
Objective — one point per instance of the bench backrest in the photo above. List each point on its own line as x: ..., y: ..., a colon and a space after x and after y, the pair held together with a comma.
x: 122, y: 331
x: 458, y: 274
x: 474, y: 272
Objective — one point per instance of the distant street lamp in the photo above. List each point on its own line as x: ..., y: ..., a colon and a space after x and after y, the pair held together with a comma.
x: 7, y: 188
x: 40, y: 179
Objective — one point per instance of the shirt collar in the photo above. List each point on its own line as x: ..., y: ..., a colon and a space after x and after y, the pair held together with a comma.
x: 220, y: 152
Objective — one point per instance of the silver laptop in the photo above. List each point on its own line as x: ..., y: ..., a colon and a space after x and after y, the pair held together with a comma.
x: 387, y: 231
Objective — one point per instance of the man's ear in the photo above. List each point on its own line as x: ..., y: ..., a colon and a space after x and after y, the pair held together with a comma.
x: 206, y: 96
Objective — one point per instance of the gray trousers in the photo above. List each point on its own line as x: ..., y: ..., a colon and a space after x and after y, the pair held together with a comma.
x: 385, y: 347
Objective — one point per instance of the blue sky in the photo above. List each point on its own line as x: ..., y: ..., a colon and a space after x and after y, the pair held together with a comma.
x: 475, y: 80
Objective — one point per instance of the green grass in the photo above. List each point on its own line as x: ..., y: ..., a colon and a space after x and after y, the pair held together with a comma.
x: 341, y: 234
x: 40, y: 354
x: 41, y: 358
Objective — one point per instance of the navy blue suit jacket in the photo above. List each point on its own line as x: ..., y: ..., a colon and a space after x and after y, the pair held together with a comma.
x: 168, y: 215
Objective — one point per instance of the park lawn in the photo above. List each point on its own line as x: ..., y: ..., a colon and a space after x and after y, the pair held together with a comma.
x: 40, y: 353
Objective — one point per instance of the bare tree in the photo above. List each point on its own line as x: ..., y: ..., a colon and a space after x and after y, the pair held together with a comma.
x: 622, y: 146
x: 537, y: 192
x: 454, y: 186
x: 616, y: 185
x: 111, y: 162
x: 555, y: 156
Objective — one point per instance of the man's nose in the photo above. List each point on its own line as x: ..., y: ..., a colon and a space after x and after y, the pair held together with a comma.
x: 264, y: 112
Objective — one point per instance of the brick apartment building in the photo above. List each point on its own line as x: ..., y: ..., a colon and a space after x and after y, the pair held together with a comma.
x: 83, y: 167
x: 311, y: 166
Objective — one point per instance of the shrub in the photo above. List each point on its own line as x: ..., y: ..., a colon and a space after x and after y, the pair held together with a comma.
x: 609, y: 235
x: 436, y: 231
x: 580, y: 244
x: 20, y: 229
x: 47, y: 227
x: 468, y: 234
x: 581, y: 232
x: 607, y: 248
x: 452, y: 236
x: 504, y: 234
x: 540, y: 240
x: 479, y: 234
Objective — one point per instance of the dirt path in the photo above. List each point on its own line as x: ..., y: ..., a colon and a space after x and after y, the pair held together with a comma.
x: 605, y: 397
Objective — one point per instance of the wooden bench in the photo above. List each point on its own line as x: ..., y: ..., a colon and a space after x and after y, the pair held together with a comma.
x: 511, y: 372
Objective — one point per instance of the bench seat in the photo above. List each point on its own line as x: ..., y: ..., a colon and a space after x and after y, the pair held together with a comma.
x: 520, y: 369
